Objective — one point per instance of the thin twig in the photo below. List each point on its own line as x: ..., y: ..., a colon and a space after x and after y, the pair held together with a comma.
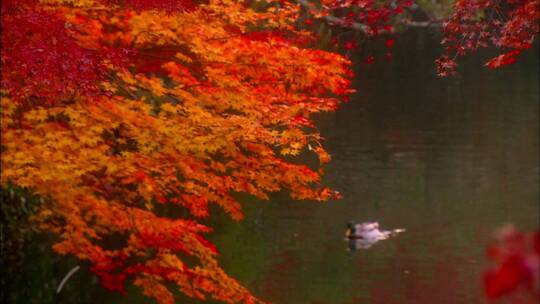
x: 66, y: 278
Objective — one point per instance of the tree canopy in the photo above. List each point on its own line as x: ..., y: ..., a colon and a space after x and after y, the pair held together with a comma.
x: 112, y: 110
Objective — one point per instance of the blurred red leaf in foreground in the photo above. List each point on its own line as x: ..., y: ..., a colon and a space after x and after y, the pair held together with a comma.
x: 516, y: 257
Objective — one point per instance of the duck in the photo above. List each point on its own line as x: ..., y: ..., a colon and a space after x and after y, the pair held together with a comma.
x: 368, y: 233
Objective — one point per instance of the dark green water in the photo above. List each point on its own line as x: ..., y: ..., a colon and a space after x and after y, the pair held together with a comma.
x: 450, y: 160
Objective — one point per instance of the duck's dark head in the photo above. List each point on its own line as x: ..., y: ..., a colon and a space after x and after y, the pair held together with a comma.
x: 350, y: 229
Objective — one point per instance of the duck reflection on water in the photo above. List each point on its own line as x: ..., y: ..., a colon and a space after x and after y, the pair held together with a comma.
x: 365, y: 235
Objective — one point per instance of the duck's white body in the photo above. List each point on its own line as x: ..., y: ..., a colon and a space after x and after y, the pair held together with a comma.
x: 375, y: 234
x: 366, y: 234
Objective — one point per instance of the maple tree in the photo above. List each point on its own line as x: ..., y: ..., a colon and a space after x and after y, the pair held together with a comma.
x: 511, y: 25
x: 113, y: 110
x: 353, y: 24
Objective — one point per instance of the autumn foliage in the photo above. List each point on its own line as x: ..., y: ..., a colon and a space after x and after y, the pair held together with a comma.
x: 510, y: 25
x: 115, y: 111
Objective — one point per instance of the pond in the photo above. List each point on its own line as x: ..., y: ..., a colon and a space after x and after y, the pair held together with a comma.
x: 450, y: 160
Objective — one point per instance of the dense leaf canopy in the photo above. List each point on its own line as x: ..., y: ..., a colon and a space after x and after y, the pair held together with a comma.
x: 114, y: 109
